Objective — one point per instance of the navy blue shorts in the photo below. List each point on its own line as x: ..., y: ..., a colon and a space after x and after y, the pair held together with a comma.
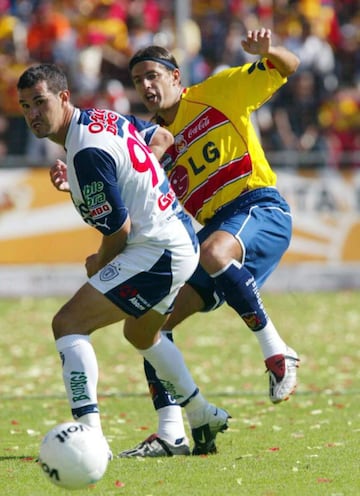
x: 261, y: 221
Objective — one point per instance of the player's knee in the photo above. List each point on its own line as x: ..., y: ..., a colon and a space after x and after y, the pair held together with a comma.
x: 61, y: 326
x: 211, y: 257
x: 217, y: 252
x: 127, y: 335
x: 135, y: 340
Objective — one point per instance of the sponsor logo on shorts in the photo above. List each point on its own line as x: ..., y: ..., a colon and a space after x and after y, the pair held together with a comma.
x: 126, y: 291
x: 132, y: 295
x: 139, y: 302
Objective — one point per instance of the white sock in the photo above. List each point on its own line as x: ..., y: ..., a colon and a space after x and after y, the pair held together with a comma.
x: 170, y: 419
x: 80, y: 374
x: 270, y: 341
x: 197, y: 411
x: 171, y: 424
x: 170, y: 369
x: 92, y: 420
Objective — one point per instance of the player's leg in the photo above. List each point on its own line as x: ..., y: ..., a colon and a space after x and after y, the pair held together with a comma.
x: 110, y: 296
x: 166, y: 358
x: 197, y: 295
x: 239, y: 256
x: 205, y: 419
x: 86, y: 311
x: 89, y: 309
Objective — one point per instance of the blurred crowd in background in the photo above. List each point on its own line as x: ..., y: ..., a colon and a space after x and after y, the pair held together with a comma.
x: 314, y: 121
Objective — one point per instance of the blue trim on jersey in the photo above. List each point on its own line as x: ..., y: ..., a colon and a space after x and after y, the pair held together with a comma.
x: 85, y: 118
x: 146, y: 129
x: 103, y: 206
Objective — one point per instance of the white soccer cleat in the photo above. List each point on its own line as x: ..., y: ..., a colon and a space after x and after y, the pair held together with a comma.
x: 282, y: 375
x: 154, y: 446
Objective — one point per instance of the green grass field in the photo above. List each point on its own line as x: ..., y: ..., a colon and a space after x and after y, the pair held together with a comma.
x: 308, y: 446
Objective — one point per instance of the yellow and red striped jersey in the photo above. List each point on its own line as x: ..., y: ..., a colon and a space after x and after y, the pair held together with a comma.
x: 217, y: 155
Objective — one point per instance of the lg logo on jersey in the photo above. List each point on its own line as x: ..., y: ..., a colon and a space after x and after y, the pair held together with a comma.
x: 209, y: 153
x: 179, y: 177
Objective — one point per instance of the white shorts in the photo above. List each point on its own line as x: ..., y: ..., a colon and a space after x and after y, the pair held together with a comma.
x: 146, y: 276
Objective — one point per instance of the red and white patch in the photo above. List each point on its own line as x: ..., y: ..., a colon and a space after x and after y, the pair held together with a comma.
x: 179, y: 180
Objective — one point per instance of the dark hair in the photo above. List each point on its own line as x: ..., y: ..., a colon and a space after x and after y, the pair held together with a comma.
x: 156, y: 54
x: 51, y: 73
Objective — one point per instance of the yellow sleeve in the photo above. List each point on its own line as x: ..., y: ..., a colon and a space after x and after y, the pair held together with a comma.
x: 239, y: 90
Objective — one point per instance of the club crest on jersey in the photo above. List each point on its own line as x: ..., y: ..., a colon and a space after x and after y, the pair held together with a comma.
x: 107, y: 273
x: 180, y: 144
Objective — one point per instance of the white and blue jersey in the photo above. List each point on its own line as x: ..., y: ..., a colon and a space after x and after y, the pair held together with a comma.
x: 113, y: 174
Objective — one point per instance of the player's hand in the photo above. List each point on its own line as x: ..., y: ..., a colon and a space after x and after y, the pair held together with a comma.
x: 258, y: 41
x: 58, y: 176
x: 92, y: 264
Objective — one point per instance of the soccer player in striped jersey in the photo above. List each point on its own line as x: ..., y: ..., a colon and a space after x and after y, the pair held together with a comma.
x: 219, y: 172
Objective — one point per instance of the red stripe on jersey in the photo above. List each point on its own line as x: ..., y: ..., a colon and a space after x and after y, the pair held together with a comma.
x: 205, y: 122
x: 209, y: 119
x: 235, y: 170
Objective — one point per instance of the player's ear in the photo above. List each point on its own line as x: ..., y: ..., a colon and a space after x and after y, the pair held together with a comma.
x: 177, y: 76
x: 65, y: 96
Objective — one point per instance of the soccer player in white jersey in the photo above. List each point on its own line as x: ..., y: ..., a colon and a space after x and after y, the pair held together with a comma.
x: 148, y: 249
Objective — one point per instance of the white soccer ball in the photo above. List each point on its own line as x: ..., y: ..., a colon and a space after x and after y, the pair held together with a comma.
x: 73, y: 455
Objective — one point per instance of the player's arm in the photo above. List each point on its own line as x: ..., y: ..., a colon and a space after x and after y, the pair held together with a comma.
x: 156, y: 137
x: 110, y: 247
x: 161, y: 141
x: 103, y: 207
x: 258, y: 42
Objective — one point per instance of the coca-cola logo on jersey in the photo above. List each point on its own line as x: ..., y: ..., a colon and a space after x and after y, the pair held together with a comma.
x: 202, y: 124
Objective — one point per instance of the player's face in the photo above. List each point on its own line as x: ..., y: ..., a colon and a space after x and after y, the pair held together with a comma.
x: 42, y: 109
x: 157, y: 86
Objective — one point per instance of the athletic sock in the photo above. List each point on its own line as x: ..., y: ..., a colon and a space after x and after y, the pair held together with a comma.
x: 197, y: 410
x: 170, y: 421
x: 171, y: 424
x: 80, y: 375
x: 171, y: 369
x: 242, y: 294
x: 270, y: 342
x: 174, y: 375
x: 159, y: 395
x: 92, y: 420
